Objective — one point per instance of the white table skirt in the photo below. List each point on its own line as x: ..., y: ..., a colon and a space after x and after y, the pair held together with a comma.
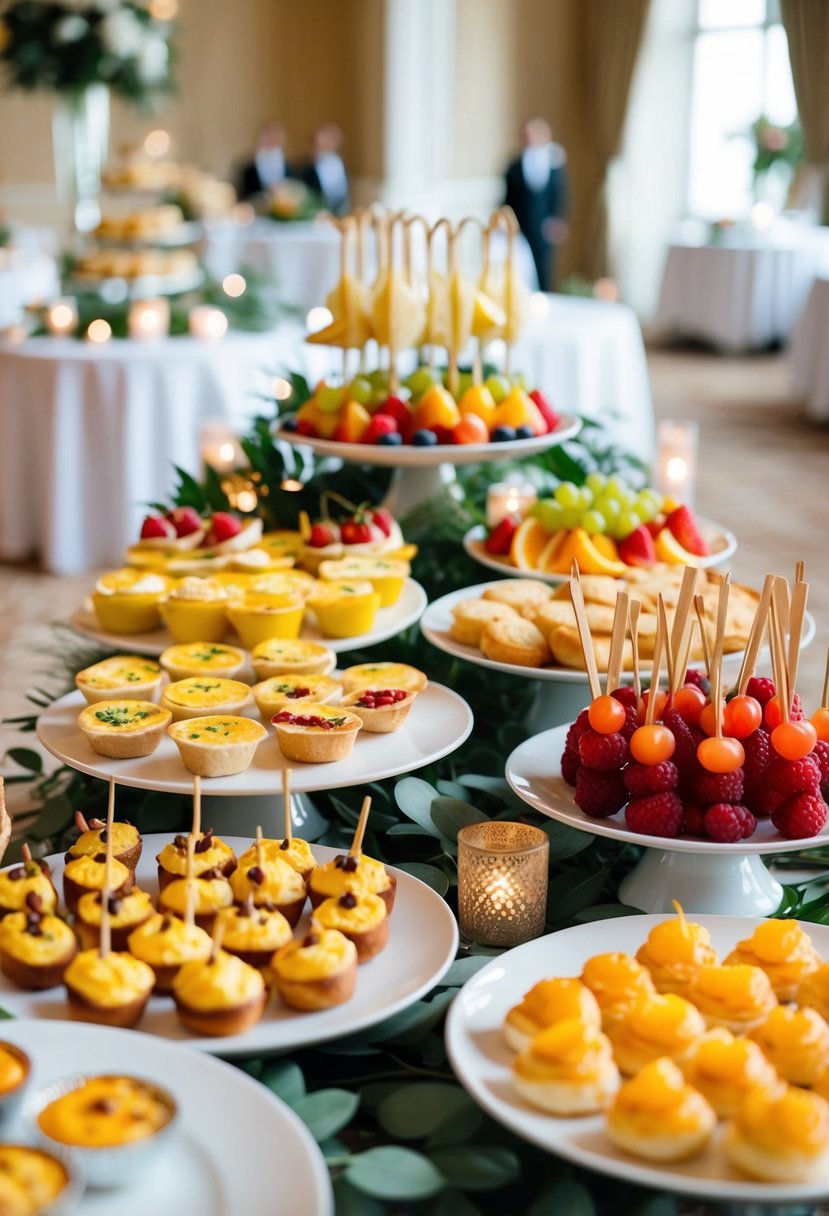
x: 809, y: 353
x: 740, y: 297
x: 26, y: 277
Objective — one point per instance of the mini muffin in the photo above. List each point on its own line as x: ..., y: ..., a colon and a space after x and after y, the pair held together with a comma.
x: 784, y: 950
x: 547, y: 1003
x: 124, y: 729
x: 389, y: 675
x: 737, y: 997
x: 655, y: 1026
x: 36, y: 1176
x: 567, y: 1069
x: 211, y: 893
x: 202, y: 659
x: 198, y: 696
x: 166, y: 943
x: 470, y: 618
x: 252, y: 933
x: 221, y: 995
x: 517, y: 642
x: 35, y: 947
x: 724, y: 1069
x: 674, y: 952
x: 29, y: 878
x: 345, y: 609
x: 296, y: 852
x: 289, y: 691
x: 126, y: 912
x: 316, y: 972
x: 780, y: 1135
x: 126, y: 841
x: 524, y: 595
x: 121, y: 678
x: 618, y: 982
x: 274, y: 884
x: 111, y: 991
x: 210, y: 853
x: 283, y: 656
x: 257, y: 616
x: 362, y: 919
x: 352, y: 875
x: 658, y: 1116
x: 84, y: 874
x: 321, y: 734
x: 217, y: 745
x: 796, y: 1041
x: 381, y: 710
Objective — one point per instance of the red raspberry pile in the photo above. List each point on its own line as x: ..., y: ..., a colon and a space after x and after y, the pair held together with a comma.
x: 285, y: 717
x: 372, y: 698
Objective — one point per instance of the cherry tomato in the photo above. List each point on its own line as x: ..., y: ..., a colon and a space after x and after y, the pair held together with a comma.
x: 794, y: 740
x: 471, y: 429
x: 652, y: 744
x: 689, y: 703
x: 820, y: 721
x: 772, y: 714
x: 741, y: 716
x: 706, y: 719
x: 661, y: 699
x: 721, y: 755
x: 606, y: 715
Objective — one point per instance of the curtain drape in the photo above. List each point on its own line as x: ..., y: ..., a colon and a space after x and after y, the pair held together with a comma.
x: 807, y: 28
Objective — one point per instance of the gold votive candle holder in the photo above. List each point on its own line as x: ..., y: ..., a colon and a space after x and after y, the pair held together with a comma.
x: 502, y: 882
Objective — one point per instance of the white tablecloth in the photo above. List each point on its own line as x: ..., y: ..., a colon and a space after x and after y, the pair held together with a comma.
x: 26, y: 277
x: 303, y: 258
x: 89, y: 434
x: 809, y: 353
x: 741, y: 296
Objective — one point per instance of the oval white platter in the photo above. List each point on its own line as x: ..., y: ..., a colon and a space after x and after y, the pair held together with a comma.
x: 236, y: 1142
x: 423, y: 939
x: 436, y: 622
x: 406, y: 455
x: 482, y: 1061
x: 438, y: 722
x: 388, y: 623
x: 721, y: 542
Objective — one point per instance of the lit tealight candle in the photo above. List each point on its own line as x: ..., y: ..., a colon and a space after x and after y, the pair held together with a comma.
x: 62, y: 317
x: 234, y: 285
x: 219, y: 446
x: 148, y: 319
x: 207, y: 322
x: 502, y: 882
x: 508, y: 498
x: 99, y: 330
x: 675, y: 473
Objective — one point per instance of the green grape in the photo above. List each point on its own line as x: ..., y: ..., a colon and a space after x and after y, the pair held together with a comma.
x: 627, y: 499
x: 609, y: 508
x: 596, y: 482
x: 646, y: 506
x: 568, y: 494
x: 499, y: 386
x: 378, y: 396
x: 616, y: 487
x: 593, y: 523
x: 520, y: 380
x: 464, y: 382
x: 550, y: 514
x: 627, y: 522
x: 571, y: 517
x: 330, y: 398
x: 379, y: 379
x: 360, y: 389
x: 585, y: 497
x: 421, y: 380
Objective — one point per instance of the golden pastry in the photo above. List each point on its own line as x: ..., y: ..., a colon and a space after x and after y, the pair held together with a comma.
x: 381, y: 710
x: 124, y: 729
x: 120, y: 678
x: 813, y: 990
x: 15, y: 1067
x: 293, y: 692
x: 547, y: 1003
x: 86, y: 873
x: 126, y: 912
x: 674, y: 952
x: 198, y: 696
x: 515, y: 641
x: 202, y: 659
x: 283, y: 656
x: 217, y: 745
x: 780, y: 1135
x: 359, y: 875
x: 724, y: 1069
x: 106, y: 1111
x: 658, y: 1116
x: 210, y: 853
x: 35, y: 947
x: 316, y: 972
x: 361, y: 918
x: 737, y: 997
x: 655, y: 1026
x: 29, y: 878
x: 470, y: 618
x: 295, y: 851
x: 251, y: 933
x: 317, y: 734
x: 390, y: 675
x: 111, y: 991
x: 567, y: 1069
x: 219, y: 996
x: 126, y: 841
x: 272, y: 883
x: 524, y: 595
x: 36, y: 1175
x: 784, y: 950
x: 211, y: 893
x: 617, y: 981
x: 166, y: 943
x: 796, y: 1041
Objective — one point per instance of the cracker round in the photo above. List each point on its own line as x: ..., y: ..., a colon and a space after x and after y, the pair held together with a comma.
x: 470, y: 616
x: 516, y: 641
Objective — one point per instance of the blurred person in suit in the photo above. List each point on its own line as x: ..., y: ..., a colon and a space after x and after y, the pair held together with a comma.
x: 268, y: 168
x: 536, y: 189
x: 326, y: 173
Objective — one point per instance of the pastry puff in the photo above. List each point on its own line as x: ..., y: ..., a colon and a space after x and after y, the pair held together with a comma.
x: 655, y: 1026
x: 724, y: 1069
x: 674, y: 952
x: 813, y: 990
x: 617, y: 981
x: 547, y: 1003
x: 784, y: 950
x: 796, y: 1041
x: 737, y: 997
x: 659, y: 1116
x: 567, y: 1069
x: 780, y: 1135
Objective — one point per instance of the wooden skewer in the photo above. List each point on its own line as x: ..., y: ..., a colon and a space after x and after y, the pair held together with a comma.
x: 634, y: 608
x: 190, y: 890
x: 780, y: 591
x: 679, y: 629
x: 755, y: 637
x: 824, y: 700
x: 218, y: 938
x: 357, y: 842
x: 800, y: 572
x: 197, y: 807
x: 800, y: 594
x: 778, y: 661
x: 286, y: 803
x: 260, y: 848
x: 585, y: 638
x: 617, y: 641
x: 106, y: 927
x: 719, y: 640
x: 699, y: 608
x: 660, y: 609
x: 658, y: 647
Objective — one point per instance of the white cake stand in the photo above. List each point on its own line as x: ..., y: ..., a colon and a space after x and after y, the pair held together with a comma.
x: 702, y: 875
x: 421, y: 473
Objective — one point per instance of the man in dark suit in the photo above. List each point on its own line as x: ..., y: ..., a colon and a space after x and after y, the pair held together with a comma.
x: 268, y: 168
x: 326, y: 174
x: 536, y: 189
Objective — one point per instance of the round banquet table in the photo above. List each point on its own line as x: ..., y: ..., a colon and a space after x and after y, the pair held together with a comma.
x: 809, y: 353
x: 26, y: 277
x: 303, y: 258
x: 745, y: 293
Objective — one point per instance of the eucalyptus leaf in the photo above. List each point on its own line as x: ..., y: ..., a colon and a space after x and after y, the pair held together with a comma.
x: 462, y: 970
x: 25, y: 757
x: 565, y: 1197
x: 565, y: 841
x: 285, y: 1079
x: 327, y: 1111
x: 349, y: 1202
x: 489, y: 785
x: 477, y: 1168
x: 451, y: 789
x: 605, y: 912
x: 394, y: 1173
x: 419, y: 1108
x: 410, y: 829
x: 415, y: 796
x: 449, y: 815
x: 454, y: 1203
x: 657, y: 1205
x: 464, y: 1127
x: 431, y: 875
x: 571, y: 893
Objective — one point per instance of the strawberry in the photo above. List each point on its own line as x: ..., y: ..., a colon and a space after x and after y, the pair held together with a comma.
x: 500, y: 538
x: 185, y: 520
x: 224, y: 526
x: 384, y: 520
x: 683, y: 527
x: 355, y: 532
x: 321, y: 536
x: 544, y: 408
x: 381, y: 424
x: 156, y: 526
x: 400, y: 411
x: 637, y: 549
x: 306, y: 428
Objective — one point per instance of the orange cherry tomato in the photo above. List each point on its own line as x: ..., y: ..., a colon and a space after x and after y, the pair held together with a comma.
x: 772, y: 713
x: 721, y: 755
x: 741, y: 716
x: 820, y: 721
x: 661, y: 700
x: 606, y: 715
x: 794, y: 740
x: 706, y: 719
x: 471, y: 429
x: 689, y: 702
x: 652, y: 744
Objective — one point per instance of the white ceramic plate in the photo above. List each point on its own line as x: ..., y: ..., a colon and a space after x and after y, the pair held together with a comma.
x: 534, y: 772
x: 721, y: 542
x: 436, y: 623
x: 423, y: 939
x: 143, y: 287
x: 388, y: 623
x: 482, y: 1061
x: 406, y: 455
x: 438, y: 722
x: 187, y: 233
x: 235, y: 1145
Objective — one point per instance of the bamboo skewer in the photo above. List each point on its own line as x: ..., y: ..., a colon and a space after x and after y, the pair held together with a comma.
x: 699, y: 607
x: 679, y: 629
x: 357, y: 842
x: 190, y: 890
x: 197, y: 806
x: 800, y: 594
x: 260, y: 848
x: 669, y: 657
x: 617, y: 641
x: 717, y: 657
x: 585, y: 638
x: 778, y: 661
x: 634, y: 608
x: 106, y: 926
x: 286, y: 804
x: 755, y: 637
x: 658, y: 647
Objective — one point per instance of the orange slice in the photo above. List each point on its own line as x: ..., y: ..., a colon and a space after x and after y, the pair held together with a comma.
x: 566, y: 554
x: 591, y: 561
x: 549, y: 554
x: 606, y: 546
x: 528, y: 543
x: 670, y: 551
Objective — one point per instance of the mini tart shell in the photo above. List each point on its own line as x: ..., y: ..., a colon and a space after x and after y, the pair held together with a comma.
x: 385, y: 674
x: 37, y: 977
x: 175, y: 663
x: 320, y: 662
x: 309, y: 996
x: 239, y: 700
x: 165, y: 973
x: 215, y: 759
x: 311, y: 744
x: 131, y: 690
x: 385, y: 718
x: 322, y: 691
x: 219, y: 1023
x: 125, y: 1016
x: 368, y: 942
x: 130, y: 745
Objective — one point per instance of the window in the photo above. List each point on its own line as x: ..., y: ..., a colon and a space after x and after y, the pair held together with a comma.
x: 740, y: 72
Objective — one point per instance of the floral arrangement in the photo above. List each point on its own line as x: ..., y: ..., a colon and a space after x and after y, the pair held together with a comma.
x: 293, y: 200
x: 775, y: 144
x: 68, y: 45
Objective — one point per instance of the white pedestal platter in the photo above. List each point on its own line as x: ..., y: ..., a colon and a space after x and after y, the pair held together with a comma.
x: 702, y: 875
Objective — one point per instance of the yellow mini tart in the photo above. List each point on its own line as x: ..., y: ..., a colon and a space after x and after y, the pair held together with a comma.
x: 126, y: 843
x: 813, y: 990
x: 220, y: 996
x: 283, y: 543
x: 280, y: 656
x: 363, y: 919
x: 211, y: 893
x: 202, y: 659
x: 389, y: 675
x: 200, y: 695
x: 111, y: 991
x: 106, y: 1111
x: 210, y: 853
x: 381, y: 710
x: 658, y: 1116
x: 194, y: 610
x: 15, y: 1067
x: 796, y: 1041
x: 386, y: 575
x: 35, y: 947
x: 345, y: 609
x: 126, y: 912
x: 123, y: 677
x: 84, y: 874
x: 724, y: 1069
x: 354, y: 876
x: 257, y: 616
x: 129, y: 601
x: 319, y: 734
x: 217, y: 745
x: 29, y: 878
x: 293, y: 582
x: 36, y: 1175
x: 317, y: 972
x: 251, y: 933
x: 274, y: 884
x: 784, y: 950
x: 296, y: 852
x: 737, y: 997
x: 257, y: 561
x: 289, y: 691
x: 567, y: 1069
x: 656, y: 1026
x: 780, y: 1135
x: 617, y: 981
x: 124, y: 729
x: 674, y: 952
x: 165, y: 943
x: 547, y: 1003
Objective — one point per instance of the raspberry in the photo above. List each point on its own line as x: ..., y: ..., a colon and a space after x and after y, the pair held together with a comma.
x: 726, y: 823
x: 685, y: 751
x: 763, y: 800
x: 793, y: 776
x: 757, y: 750
x: 800, y: 816
x: 604, y: 752
x: 644, y: 779
x: 693, y: 820
x: 698, y: 678
x: 657, y: 815
x: 626, y: 696
x: 631, y: 723
x: 710, y: 788
x: 761, y: 688
x: 599, y: 794
x: 577, y: 729
x: 570, y: 765
x: 821, y: 758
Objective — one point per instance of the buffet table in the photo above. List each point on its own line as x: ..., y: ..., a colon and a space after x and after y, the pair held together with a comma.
x: 809, y: 355
x: 303, y: 258
x: 26, y: 277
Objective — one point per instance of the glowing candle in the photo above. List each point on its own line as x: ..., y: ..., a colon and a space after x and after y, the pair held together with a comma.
x: 502, y: 882
x: 508, y: 498
x: 62, y: 317
x: 148, y: 319
x: 207, y: 322
x: 99, y: 331
x: 676, y: 460
x: 219, y: 446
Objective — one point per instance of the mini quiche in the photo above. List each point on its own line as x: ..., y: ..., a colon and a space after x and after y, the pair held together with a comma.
x: 344, y: 609
x: 383, y: 675
x: 200, y: 695
x: 318, y: 735
x: 123, y: 677
x: 124, y: 729
x: 217, y: 745
x: 202, y: 659
x: 285, y: 656
x: 129, y: 601
x: 385, y: 574
x: 286, y: 691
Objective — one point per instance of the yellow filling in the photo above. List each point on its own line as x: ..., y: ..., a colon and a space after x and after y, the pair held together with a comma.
x: 209, y: 895
x: 105, y: 1111
x: 87, y: 872
x: 787, y: 1030
x: 13, y: 891
x: 658, y: 1099
x: 202, y: 656
x: 277, y: 690
x: 571, y: 1050
x: 199, y: 591
x: 264, y: 930
x: 363, y: 568
x: 732, y: 991
x: 297, y: 855
x: 40, y: 1176
x: 121, y: 717
x: 109, y: 982
x: 666, y: 1021
x: 556, y: 1000
x: 131, y: 908
x: 132, y: 582
x: 778, y: 941
x: 204, y: 692
x: 223, y: 983
x: 263, y: 603
x: 278, y: 650
x: 340, y: 592
x: 164, y: 941
x: 281, y: 885
x: 367, y: 913
x: 54, y: 941
x: 124, y: 838
x: 370, y: 878
x: 12, y: 1070
x: 615, y: 978
x: 328, y: 955
x: 174, y: 860
x: 119, y: 671
x: 385, y: 675
x: 785, y: 1121
x: 678, y: 941
x: 217, y: 730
